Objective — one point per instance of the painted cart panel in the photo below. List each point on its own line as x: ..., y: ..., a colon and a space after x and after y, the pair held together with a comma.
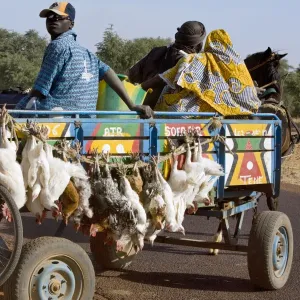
x: 251, y: 159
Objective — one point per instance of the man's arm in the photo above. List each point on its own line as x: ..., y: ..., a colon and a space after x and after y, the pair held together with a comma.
x: 115, y: 83
x: 152, y: 83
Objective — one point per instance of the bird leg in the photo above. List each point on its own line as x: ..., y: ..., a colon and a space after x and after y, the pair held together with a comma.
x: 56, y: 212
x: 93, y: 230
x: 119, y: 246
x: 39, y: 218
x: 6, y: 212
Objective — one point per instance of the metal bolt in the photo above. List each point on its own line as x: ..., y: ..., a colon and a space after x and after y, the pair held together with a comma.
x: 44, y: 287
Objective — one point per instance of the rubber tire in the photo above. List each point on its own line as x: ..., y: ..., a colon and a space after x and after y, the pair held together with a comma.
x: 272, y: 203
x: 260, y: 246
x: 17, y: 220
x: 16, y: 288
x: 106, y: 256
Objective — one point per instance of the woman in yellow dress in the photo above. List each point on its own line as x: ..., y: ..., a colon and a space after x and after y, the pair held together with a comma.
x: 216, y: 80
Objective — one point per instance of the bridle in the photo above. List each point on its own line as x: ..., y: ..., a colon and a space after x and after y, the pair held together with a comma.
x: 271, y: 58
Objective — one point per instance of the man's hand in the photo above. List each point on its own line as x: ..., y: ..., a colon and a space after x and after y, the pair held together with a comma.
x: 145, y: 111
x: 259, y: 90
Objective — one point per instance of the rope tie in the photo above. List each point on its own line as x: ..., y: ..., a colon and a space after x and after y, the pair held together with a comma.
x: 213, y: 124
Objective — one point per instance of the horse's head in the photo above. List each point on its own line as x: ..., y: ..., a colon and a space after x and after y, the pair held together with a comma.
x: 264, y: 67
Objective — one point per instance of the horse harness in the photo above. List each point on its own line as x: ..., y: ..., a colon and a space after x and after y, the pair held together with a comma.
x: 271, y: 104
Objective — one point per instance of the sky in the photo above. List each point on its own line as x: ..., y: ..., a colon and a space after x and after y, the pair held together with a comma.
x: 253, y: 25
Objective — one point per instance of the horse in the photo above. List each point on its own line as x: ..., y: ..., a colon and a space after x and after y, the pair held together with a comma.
x: 264, y: 69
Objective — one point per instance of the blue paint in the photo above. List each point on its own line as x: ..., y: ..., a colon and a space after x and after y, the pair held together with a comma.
x: 61, y: 272
x: 231, y: 212
x: 277, y: 161
x: 150, y: 129
x: 79, y: 136
x: 128, y: 113
x: 280, y: 252
x: 221, y: 160
x: 153, y: 140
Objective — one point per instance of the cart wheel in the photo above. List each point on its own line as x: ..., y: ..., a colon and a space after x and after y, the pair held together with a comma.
x: 107, y: 256
x: 270, y: 252
x: 273, y: 203
x: 52, y: 268
x: 11, y: 236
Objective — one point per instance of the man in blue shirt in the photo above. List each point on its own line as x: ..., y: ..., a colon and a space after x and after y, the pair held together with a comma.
x: 70, y: 74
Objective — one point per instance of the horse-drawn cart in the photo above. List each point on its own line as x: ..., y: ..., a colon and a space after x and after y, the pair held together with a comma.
x: 248, y: 150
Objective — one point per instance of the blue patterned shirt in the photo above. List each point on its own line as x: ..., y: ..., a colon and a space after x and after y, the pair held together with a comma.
x: 69, y: 76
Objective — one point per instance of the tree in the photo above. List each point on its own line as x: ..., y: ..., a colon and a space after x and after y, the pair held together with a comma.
x: 121, y: 54
x: 290, y: 87
x: 20, y: 58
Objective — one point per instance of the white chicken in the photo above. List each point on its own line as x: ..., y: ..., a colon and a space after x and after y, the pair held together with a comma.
x: 83, y: 186
x: 11, y: 176
x: 60, y: 175
x: 128, y: 193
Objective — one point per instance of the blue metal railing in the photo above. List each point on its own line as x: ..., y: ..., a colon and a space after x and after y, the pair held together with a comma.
x: 127, y: 113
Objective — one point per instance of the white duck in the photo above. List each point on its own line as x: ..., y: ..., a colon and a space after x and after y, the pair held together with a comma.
x: 167, y: 195
x: 194, y: 170
x: 178, y: 178
x: 35, y: 207
x: 25, y: 163
x: 210, y: 166
x: 202, y: 196
x: 39, y: 169
x: 195, y: 177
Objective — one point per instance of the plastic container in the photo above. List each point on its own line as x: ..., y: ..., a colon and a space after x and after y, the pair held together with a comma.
x: 108, y: 99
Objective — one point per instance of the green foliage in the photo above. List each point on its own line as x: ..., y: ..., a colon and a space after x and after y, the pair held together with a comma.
x: 291, y: 87
x: 20, y: 58
x: 121, y: 54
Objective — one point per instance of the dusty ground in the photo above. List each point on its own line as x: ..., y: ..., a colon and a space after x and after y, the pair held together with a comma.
x: 290, y: 169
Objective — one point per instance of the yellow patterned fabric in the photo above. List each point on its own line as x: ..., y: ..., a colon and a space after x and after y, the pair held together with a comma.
x: 216, y: 80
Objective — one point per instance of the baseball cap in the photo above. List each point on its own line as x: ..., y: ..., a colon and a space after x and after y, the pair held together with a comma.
x: 60, y: 8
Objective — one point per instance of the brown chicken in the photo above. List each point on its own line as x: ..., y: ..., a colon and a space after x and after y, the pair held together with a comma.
x: 69, y: 200
x: 135, y: 180
x: 99, y: 227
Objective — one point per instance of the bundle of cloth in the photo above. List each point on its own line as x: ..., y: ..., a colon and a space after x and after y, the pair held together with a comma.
x: 215, y: 80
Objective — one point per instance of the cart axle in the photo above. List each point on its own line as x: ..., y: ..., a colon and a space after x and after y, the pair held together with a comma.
x: 200, y: 244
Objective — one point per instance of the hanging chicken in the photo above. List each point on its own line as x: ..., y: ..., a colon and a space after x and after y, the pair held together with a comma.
x: 11, y: 176
x: 137, y: 233
x: 79, y: 187
x: 110, y: 208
